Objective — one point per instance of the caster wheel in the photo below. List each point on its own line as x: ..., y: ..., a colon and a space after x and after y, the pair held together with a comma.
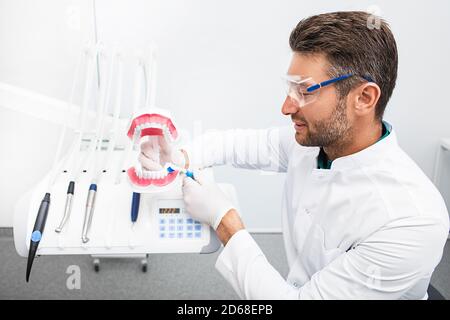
x: 144, y: 268
x: 96, y: 265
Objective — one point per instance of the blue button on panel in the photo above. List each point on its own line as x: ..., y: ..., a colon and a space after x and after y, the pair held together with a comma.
x: 162, y: 221
x: 36, y: 236
x: 171, y: 235
x: 189, y: 228
x: 189, y: 235
x: 189, y: 221
x: 197, y: 222
x: 198, y: 227
x: 171, y: 228
x: 180, y: 235
x: 179, y: 221
x: 162, y: 228
x: 198, y: 234
x: 162, y: 235
x: 172, y: 221
x: 179, y: 228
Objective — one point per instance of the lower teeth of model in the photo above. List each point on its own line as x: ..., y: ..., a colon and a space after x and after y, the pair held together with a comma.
x: 154, y: 174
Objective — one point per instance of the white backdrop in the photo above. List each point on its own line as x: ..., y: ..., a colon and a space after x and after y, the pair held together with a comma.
x: 220, y: 63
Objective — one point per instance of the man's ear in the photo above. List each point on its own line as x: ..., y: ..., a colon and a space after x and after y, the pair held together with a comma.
x: 366, y: 98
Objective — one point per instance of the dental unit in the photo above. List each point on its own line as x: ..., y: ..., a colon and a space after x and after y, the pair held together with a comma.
x: 99, y: 186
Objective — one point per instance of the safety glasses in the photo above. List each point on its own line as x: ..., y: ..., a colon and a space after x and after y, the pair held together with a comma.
x: 304, y: 90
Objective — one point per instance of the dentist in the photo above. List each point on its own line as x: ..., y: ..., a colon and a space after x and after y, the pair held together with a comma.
x: 360, y: 218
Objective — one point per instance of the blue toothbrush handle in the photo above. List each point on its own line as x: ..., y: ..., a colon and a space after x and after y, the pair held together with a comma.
x: 190, y: 174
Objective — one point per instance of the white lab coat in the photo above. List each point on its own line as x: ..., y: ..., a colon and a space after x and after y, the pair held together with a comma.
x: 371, y: 227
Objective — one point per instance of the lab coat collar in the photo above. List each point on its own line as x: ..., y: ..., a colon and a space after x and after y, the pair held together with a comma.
x: 368, y: 156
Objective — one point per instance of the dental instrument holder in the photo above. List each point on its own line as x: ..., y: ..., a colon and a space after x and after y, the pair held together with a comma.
x: 162, y: 218
x: 112, y: 232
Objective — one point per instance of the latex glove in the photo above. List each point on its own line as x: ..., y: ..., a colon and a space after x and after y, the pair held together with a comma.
x: 204, y: 200
x: 156, y: 152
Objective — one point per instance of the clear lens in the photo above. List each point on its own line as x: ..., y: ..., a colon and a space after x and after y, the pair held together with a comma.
x: 297, y: 90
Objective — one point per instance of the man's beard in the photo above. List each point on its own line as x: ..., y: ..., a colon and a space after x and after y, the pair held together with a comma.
x: 331, y: 131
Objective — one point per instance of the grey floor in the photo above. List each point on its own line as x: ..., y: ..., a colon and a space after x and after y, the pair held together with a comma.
x: 174, y: 276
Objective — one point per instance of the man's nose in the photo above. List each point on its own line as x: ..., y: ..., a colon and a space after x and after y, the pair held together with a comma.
x: 289, y: 107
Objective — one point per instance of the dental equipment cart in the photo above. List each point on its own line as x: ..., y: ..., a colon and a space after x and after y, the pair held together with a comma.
x: 98, y: 200
x: 163, y: 225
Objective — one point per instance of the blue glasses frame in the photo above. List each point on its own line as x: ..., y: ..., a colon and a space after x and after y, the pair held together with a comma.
x: 334, y: 80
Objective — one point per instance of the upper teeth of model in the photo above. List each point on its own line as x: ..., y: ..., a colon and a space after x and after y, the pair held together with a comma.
x: 146, y: 174
x: 163, y: 127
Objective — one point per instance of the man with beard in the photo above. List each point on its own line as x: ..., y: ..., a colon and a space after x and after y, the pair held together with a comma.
x: 360, y: 218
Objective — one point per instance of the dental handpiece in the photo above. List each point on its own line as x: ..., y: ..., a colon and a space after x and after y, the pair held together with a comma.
x: 135, y: 206
x: 90, y: 204
x: 38, y: 230
x: 68, y: 207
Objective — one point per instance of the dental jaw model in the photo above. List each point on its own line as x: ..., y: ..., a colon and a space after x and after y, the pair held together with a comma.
x: 155, y: 124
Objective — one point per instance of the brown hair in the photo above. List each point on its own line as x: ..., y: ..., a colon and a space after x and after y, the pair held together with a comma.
x: 350, y: 46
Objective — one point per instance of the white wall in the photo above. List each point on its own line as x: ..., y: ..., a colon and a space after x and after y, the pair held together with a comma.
x: 41, y: 41
x: 220, y: 63
x: 40, y: 44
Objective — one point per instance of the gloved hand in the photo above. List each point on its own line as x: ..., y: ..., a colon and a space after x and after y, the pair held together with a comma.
x: 156, y: 152
x: 204, y: 200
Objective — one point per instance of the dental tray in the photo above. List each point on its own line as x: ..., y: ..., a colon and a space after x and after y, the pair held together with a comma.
x: 163, y: 226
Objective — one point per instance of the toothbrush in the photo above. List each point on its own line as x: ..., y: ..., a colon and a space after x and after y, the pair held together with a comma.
x: 188, y: 173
